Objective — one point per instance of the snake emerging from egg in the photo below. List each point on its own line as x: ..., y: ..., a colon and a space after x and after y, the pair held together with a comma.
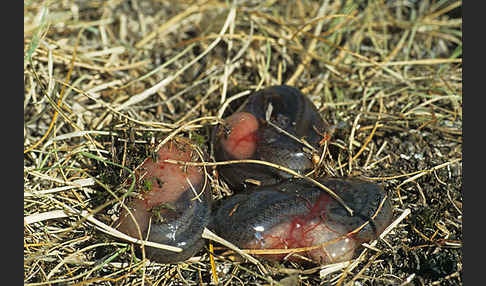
x: 271, y: 208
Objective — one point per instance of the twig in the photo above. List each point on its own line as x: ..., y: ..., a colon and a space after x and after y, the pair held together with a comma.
x: 207, y: 234
x: 56, y: 214
x: 145, y: 94
x: 278, y: 167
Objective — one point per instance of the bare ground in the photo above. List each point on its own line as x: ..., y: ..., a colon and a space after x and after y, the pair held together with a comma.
x: 104, y: 81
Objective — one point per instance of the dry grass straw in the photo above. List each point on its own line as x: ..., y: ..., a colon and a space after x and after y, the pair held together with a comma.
x: 106, y: 82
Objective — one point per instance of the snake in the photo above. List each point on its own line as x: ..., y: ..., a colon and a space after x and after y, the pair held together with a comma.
x: 270, y: 208
x: 173, y: 204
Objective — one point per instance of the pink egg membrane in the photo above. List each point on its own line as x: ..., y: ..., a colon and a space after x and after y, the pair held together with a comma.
x: 241, y: 140
x: 327, y: 242
x: 323, y: 244
x: 161, y: 184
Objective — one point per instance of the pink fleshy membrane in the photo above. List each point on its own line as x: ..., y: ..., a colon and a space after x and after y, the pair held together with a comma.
x: 161, y: 184
x: 241, y: 141
x: 165, y: 182
x: 326, y: 243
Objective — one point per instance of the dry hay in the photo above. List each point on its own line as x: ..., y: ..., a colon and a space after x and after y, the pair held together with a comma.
x: 106, y: 80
